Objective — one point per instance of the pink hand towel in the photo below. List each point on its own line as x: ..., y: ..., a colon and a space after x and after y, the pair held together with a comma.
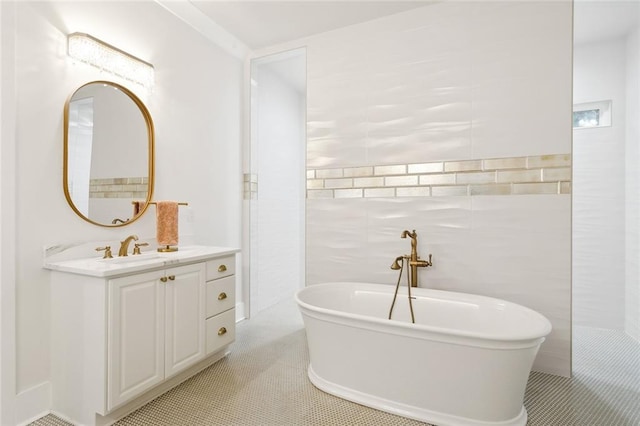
x: 167, y: 223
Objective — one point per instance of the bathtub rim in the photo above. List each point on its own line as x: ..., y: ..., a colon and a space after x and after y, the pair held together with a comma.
x: 469, y: 338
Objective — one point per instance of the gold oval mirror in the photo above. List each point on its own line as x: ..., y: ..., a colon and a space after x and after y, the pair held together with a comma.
x: 108, y: 154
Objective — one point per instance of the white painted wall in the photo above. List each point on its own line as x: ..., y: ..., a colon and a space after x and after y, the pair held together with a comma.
x: 278, y: 121
x: 599, y: 189
x: 7, y: 214
x: 450, y: 81
x: 196, y: 107
x: 632, y: 209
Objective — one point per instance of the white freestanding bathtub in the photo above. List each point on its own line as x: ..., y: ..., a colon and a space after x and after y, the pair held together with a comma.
x: 465, y: 361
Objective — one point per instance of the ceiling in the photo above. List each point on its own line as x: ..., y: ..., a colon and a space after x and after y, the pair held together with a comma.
x: 263, y: 23
x: 260, y: 24
x: 603, y: 20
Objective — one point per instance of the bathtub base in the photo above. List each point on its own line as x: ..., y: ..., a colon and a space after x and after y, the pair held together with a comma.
x: 404, y: 410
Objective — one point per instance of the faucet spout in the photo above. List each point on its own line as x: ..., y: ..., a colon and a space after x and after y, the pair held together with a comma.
x: 406, y: 233
x: 124, y: 245
x: 414, y: 242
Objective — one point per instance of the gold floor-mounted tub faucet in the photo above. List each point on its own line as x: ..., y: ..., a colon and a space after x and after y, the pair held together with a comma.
x: 414, y: 260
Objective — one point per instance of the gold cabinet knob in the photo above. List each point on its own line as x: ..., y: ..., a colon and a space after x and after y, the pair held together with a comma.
x: 172, y: 277
x: 222, y: 268
x: 222, y: 296
x: 222, y: 331
x: 163, y: 279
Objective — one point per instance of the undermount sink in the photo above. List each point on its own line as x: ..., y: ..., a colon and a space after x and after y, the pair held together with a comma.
x: 132, y: 258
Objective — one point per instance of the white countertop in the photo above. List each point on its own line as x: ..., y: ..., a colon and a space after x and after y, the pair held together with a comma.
x: 147, y: 261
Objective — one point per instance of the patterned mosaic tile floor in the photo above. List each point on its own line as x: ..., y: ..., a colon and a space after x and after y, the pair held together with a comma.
x: 263, y: 382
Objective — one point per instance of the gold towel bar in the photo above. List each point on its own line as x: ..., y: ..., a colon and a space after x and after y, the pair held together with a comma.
x: 180, y: 204
x: 153, y: 202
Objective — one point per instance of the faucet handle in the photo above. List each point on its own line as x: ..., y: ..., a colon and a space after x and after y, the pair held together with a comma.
x: 107, y: 252
x: 136, y: 247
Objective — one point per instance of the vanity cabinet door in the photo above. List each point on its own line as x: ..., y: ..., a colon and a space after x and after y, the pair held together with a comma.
x: 136, y: 336
x: 185, y: 314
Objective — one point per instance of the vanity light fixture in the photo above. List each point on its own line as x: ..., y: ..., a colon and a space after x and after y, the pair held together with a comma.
x: 92, y: 51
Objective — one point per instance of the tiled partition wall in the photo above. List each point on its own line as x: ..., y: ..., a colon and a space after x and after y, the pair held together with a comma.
x: 454, y: 120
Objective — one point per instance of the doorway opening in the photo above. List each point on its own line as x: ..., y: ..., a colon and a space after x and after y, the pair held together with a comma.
x: 606, y: 207
x: 276, y: 184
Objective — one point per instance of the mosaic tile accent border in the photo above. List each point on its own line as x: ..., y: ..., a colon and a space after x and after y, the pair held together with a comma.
x: 129, y: 187
x: 250, y: 186
x: 542, y: 174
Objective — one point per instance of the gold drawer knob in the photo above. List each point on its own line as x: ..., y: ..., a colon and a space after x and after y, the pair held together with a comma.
x: 172, y: 277
x: 222, y: 268
x: 163, y: 279
x: 222, y: 296
x: 222, y: 331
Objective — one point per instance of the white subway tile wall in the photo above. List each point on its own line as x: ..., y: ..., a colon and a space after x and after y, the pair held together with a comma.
x: 126, y: 187
x: 541, y: 174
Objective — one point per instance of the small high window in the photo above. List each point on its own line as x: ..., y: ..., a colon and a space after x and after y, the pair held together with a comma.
x: 592, y: 114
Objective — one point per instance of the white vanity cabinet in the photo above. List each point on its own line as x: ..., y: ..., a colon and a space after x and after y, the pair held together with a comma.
x: 155, y: 328
x: 121, y: 339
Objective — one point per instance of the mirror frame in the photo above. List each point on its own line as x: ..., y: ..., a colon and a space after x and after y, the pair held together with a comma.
x: 150, y: 132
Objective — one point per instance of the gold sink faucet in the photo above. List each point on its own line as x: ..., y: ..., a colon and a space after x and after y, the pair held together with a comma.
x: 124, y: 245
x: 414, y: 260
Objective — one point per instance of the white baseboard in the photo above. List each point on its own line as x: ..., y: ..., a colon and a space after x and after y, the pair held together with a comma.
x: 33, y: 403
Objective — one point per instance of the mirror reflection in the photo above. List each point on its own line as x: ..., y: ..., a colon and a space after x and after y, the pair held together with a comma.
x: 108, y: 161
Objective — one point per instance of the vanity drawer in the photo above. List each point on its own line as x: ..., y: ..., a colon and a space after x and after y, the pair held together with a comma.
x: 221, y: 330
x: 221, y: 267
x: 221, y: 295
